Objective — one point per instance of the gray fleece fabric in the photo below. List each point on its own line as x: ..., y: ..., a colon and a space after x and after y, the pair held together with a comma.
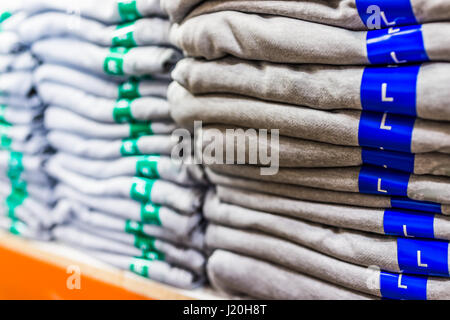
x: 364, y: 249
x: 121, y: 207
x: 293, y: 152
x: 145, y: 166
x: 317, y: 195
x: 137, y: 61
x: 112, y: 11
x: 156, y: 269
x: 339, y: 13
x: 316, y: 86
x: 135, y: 240
x: 256, y: 37
x: 110, y: 149
x: 356, y: 218
x: 239, y: 275
x: 195, y: 240
x: 56, y: 118
x: 142, y: 32
x: 101, y: 86
x: 308, y: 262
x: 339, y: 127
x: 139, y: 189
x: 80, y: 102
x: 421, y: 188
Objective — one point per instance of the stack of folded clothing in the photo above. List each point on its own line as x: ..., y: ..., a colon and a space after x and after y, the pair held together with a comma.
x: 25, y: 190
x: 104, y: 78
x: 357, y: 209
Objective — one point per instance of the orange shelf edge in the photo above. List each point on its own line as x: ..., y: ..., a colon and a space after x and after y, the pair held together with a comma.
x: 29, y: 272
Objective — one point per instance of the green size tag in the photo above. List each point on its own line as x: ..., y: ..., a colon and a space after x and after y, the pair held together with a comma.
x: 129, y: 148
x: 150, y: 214
x: 5, y: 15
x: 15, y: 228
x: 129, y: 89
x: 113, y: 64
x: 5, y: 142
x: 13, y: 201
x: 124, y: 36
x: 2, y: 113
x: 148, y: 167
x: 128, y: 10
x: 138, y: 266
x: 15, y: 165
x: 141, y: 189
x: 122, y: 111
x: 144, y: 243
x: 140, y: 129
x: 134, y: 227
x: 153, y: 255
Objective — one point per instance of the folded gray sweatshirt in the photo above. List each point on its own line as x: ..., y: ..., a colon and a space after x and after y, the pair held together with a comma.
x: 119, y: 207
x: 113, y: 11
x: 142, y: 32
x: 293, y: 152
x: 409, y: 255
x: 101, y: 86
x: 341, y: 13
x: 348, y: 127
x: 287, y: 40
x: 16, y: 83
x: 195, y: 240
x: 56, y: 118
x: 239, y: 275
x: 110, y: 149
x: 155, y: 269
x: 365, y: 179
x: 152, y: 167
x: 145, y: 190
x: 395, y: 222
x: 21, y: 229
x: 106, y: 110
x: 16, y: 62
x: 140, y: 243
x: 325, y: 196
x: 152, y: 215
x: 17, y: 115
x: 308, y: 262
x: 119, y: 61
x: 414, y: 90
x: 31, y: 102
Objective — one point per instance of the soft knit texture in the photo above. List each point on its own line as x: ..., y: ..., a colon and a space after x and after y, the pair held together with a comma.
x: 341, y: 13
x: 257, y: 37
x: 339, y: 127
x: 321, y: 87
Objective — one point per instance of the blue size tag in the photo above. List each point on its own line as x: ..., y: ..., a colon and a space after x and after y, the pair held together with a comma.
x: 428, y: 257
x: 390, y: 89
x: 386, y: 131
x: 388, y: 159
x: 406, y: 203
x: 376, y: 14
x: 408, y: 223
x: 402, y: 286
x: 396, y: 45
x: 374, y: 180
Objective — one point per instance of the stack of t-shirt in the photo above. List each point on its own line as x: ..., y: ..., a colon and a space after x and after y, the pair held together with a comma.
x: 359, y: 92
x: 105, y: 72
x: 25, y: 189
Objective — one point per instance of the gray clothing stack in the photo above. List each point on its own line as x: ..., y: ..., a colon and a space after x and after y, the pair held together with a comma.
x: 119, y: 196
x: 25, y: 188
x: 358, y: 206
